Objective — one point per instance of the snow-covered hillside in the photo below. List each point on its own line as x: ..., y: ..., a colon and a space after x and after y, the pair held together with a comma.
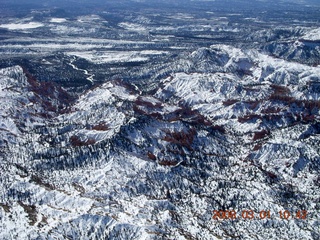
x: 241, y: 133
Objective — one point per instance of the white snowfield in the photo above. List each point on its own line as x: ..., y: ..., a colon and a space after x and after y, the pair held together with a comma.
x: 58, y: 20
x: 21, y: 26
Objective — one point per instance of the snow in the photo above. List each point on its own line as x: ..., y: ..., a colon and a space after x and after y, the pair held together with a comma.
x: 89, y: 76
x: 313, y: 35
x: 153, y: 52
x: 132, y: 27
x: 63, y: 29
x: 110, y: 56
x: 90, y: 18
x: 79, y: 46
x: 113, y: 188
x: 120, y: 92
x: 21, y: 26
x: 58, y: 20
x: 114, y: 56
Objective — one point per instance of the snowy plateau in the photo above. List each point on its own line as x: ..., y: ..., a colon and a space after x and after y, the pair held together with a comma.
x: 140, y: 120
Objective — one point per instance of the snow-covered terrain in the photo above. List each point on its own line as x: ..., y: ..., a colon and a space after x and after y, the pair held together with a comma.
x: 21, y: 26
x: 313, y: 35
x: 140, y: 121
x: 122, y: 166
x: 58, y: 20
